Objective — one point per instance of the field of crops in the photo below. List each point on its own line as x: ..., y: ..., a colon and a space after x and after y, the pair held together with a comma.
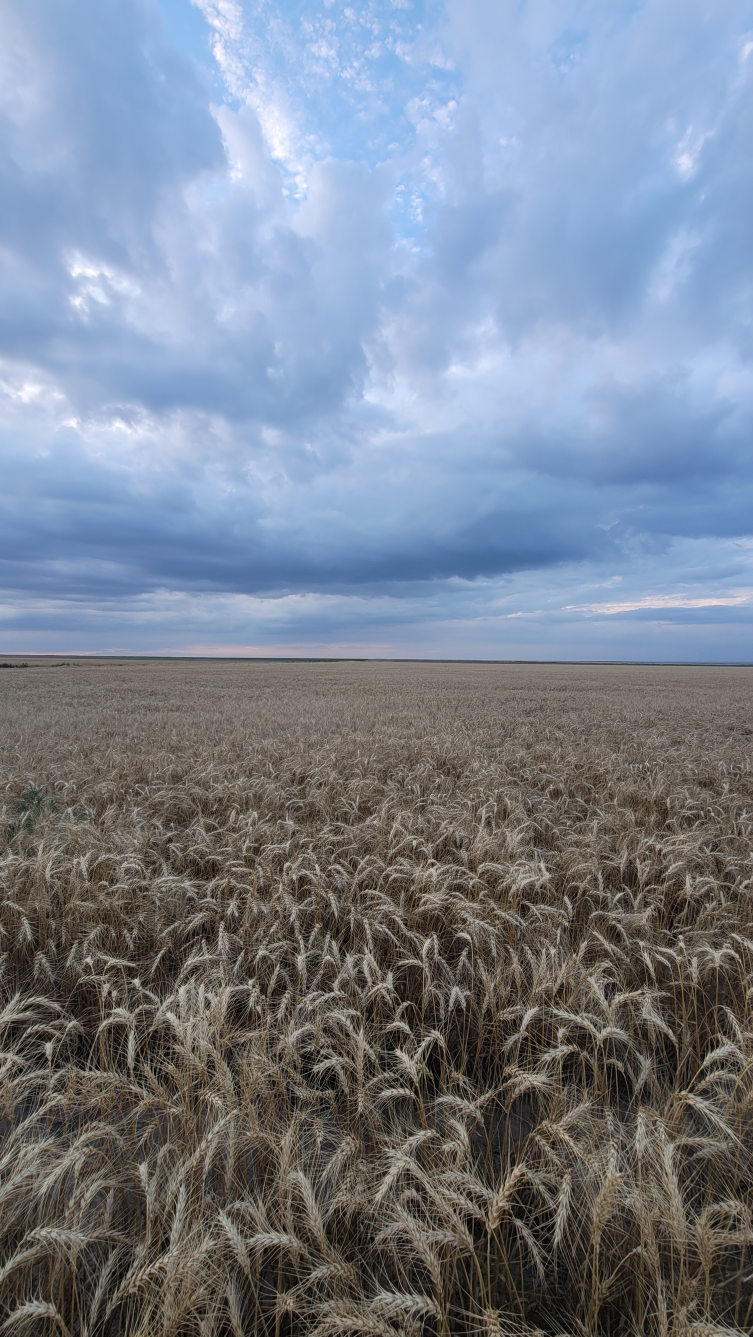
x: 375, y: 999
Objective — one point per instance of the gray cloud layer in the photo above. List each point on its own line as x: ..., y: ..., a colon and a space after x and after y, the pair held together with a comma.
x: 259, y: 348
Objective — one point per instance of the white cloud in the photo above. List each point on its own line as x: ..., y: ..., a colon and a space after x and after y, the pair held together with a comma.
x: 659, y: 601
x: 424, y: 299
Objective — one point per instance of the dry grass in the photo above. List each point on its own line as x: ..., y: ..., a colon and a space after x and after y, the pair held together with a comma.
x: 360, y: 999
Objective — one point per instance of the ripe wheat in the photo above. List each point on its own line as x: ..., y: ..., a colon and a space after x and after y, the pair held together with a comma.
x: 376, y: 999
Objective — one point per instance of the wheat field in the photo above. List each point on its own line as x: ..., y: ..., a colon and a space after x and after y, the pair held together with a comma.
x: 391, y: 999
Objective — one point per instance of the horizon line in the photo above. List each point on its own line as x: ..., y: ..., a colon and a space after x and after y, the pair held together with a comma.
x: 86, y: 656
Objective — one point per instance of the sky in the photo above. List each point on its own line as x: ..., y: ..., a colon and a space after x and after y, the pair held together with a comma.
x: 406, y: 328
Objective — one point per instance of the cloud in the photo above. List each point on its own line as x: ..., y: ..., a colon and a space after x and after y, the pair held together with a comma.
x: 355, y: 303
x: 655, y: 602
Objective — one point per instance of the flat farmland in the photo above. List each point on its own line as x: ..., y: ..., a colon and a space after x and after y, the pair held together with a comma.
x: 391, y: 999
